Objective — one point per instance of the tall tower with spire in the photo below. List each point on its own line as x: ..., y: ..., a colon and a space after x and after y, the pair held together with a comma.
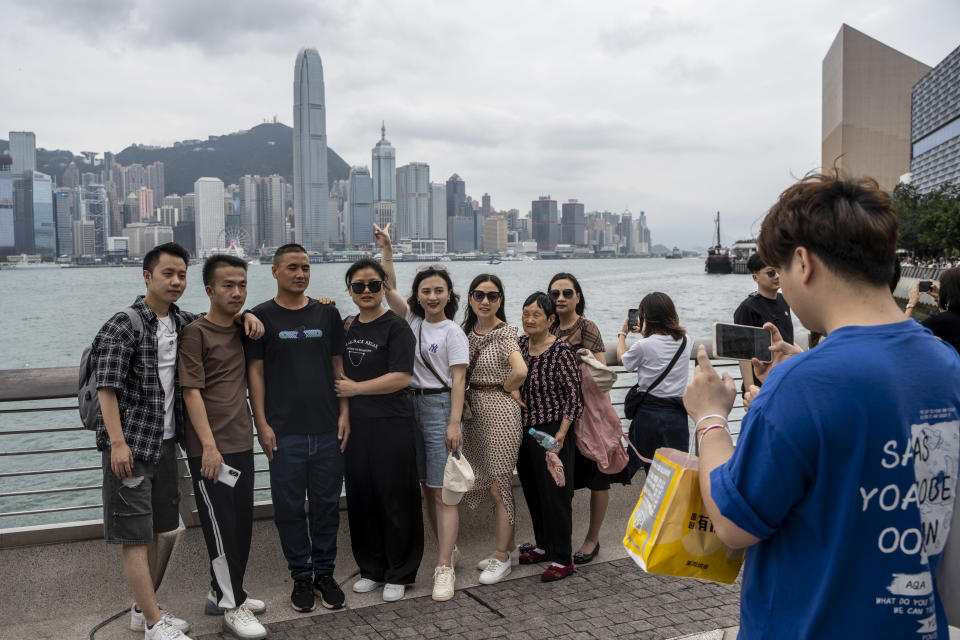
x: 310, y: 189
x: 384, y: 164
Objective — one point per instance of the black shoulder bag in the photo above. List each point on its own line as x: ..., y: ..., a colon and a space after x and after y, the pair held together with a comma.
x: 635, y: 397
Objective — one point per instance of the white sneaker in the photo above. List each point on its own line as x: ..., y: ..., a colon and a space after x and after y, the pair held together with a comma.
x: 163, y: 631
x: 514, y: 560
x: 211, y: 608
x: 495, y: 571
x: 365, y: 585
x: 139, y: 623
x: 243, y: 624
x: 393, y: 592
x: 444, y: 579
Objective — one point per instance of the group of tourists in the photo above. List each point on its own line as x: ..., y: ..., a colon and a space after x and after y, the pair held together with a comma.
x: 414, y: 414
x: 397, y: 403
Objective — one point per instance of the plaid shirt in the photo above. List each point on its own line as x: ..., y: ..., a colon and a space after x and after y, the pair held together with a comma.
x: 584, y: 334
x: 131, y: 368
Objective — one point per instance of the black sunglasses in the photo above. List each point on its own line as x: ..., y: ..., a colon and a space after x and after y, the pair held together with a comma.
x: 492, y: 296
x: 373, y: 285
x: 566, y: 293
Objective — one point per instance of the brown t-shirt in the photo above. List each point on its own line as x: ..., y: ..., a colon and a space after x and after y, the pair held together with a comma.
x: 211, y: 359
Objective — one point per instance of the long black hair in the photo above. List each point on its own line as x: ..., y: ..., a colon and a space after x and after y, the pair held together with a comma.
x: 470, y: 318
x: 450, y: 309
x: 582, y: 304
x: 658, y: 315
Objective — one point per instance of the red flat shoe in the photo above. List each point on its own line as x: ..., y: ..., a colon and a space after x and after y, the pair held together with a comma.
x: 554, y: 573
x: 532, y: 556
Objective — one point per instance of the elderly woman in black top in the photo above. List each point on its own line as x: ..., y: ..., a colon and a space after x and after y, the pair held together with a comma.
x: 552, y: 402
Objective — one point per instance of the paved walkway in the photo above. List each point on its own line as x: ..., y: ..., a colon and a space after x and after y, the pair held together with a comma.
x: 605, y: 600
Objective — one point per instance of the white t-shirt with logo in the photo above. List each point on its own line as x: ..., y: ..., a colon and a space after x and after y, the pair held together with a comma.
x: 443, y: 343
x: 650, y: 356
x: 167, y: 369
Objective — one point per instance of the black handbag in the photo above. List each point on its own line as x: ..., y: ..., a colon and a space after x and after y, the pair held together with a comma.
x: 635, y: 397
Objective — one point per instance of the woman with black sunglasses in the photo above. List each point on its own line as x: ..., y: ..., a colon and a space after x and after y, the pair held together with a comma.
x: 437, y: 389
x: 380, y: 463
x: 492, y: 433
x: 580, y: 333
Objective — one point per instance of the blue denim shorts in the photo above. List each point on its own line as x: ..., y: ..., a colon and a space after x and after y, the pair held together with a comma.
x: 432, y: 413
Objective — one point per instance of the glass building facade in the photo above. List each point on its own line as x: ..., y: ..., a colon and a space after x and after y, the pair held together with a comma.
x: 935, y: 126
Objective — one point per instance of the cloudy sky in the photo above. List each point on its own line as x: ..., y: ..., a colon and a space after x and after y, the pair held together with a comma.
x: 677, y: 108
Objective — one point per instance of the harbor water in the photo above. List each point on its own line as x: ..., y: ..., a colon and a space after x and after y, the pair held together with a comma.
x: 50, y: 315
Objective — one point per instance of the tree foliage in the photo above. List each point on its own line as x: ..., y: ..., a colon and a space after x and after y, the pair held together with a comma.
x: 929, y: 222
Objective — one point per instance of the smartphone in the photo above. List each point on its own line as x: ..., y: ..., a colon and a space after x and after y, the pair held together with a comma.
x: 228, y: 475
x: 740, y: 342
x: 925, y: 285
x: 633, y: 319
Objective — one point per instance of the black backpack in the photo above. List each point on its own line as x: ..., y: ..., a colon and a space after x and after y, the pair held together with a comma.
x: 88, y: 402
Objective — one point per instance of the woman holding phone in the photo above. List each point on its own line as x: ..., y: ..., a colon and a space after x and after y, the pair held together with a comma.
x: 661, y: 358
x: 437, y: 388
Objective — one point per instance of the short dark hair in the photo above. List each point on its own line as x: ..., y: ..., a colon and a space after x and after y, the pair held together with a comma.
x: 950, y: 289
x: 849, y: 224
x: 542, y: 300
x: 171, y: 249
x: 366, y: 263
x: 281, y: 251
x: 220, y: 260
x: 450, y: 309
x: 576, y: 287
x: 755, y: 263
x: 657, y: 315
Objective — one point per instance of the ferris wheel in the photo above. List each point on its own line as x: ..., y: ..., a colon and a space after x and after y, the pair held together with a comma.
x: 236, y: 241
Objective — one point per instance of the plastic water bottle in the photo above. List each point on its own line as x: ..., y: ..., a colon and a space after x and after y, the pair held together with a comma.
x: 544, y: 439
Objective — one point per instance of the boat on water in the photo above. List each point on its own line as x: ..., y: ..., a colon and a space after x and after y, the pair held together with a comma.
x: 494, y: 260
x: 676, y: 254
x: 718, y: 257
x: 24, y: 261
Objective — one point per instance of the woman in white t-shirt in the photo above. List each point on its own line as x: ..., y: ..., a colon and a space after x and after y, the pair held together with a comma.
x: 437, y: 389
x: 660, y: 419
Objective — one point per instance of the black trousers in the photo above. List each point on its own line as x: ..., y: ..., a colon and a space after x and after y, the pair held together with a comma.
x: 383, y: 499
x: 659, y: 422
x: 551, y: 507
x: 226, y: 517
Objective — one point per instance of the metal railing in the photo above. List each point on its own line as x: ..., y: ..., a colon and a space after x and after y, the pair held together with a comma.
x: 925, y: 273
x: 38, y: 476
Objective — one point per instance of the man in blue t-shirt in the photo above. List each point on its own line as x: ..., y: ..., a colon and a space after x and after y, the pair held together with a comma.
x: 844, y: 478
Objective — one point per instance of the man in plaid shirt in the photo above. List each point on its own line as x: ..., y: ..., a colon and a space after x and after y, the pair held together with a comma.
x: 142, y: 417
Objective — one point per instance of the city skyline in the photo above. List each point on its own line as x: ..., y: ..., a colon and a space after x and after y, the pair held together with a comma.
x: 727, y: 102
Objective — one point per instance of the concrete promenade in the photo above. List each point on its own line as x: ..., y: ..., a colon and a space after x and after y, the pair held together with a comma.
x: 607, y: 600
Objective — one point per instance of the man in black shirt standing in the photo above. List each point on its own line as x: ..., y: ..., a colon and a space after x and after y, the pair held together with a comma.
x: 766, y: 304
x: 301, y: 425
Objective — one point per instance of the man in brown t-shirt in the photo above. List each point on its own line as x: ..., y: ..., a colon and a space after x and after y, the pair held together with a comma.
x: 219, y: 439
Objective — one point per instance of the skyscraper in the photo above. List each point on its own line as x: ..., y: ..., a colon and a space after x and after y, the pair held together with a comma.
x: 145, y: 203
x: 413, y: 201
x: 438, y: 211
x: 84, y: 238
x: 485, y: 208
x: 456, y: 196
x: 935, y: 129
x: 34, y: 227
x: 23, y: 150
x: 546, y: 229
x: 71, y: 178
x: 572, y: 222
x: 95, y: 208
x: 309, y: 152
x: 156, y: 180
x: 63, y: 207
x: 866, y: 107
x: 273, y: 216
x: 495, y: 234
x: 361, y: 207
x: 250, y: 207
x: 384, y: 173
x: 210, y: 222
x: 7, y: 242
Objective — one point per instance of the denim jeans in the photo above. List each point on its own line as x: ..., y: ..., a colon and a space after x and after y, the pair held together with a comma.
x: 432, y: 413
x: 307, y: 466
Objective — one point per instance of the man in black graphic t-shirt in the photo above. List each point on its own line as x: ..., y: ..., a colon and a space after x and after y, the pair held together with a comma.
x: 302, y: 426
x: 766, y: 304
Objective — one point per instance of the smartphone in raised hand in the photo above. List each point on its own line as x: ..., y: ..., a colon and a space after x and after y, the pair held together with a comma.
x: 633, y: 318
x: 740, y: 342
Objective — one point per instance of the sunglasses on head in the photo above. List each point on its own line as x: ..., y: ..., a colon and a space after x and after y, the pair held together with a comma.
x: 431, y: 267
x: 492, y: 296
x: 566, y: 293
x: 373, y: 286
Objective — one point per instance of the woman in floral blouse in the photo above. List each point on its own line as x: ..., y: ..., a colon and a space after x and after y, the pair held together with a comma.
x: 552, y: 403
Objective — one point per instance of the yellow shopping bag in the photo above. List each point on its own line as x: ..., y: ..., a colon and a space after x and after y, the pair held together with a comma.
x: 669, y: 531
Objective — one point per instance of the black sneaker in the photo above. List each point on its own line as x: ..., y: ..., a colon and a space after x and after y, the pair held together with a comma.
x: 302, y: 597
x: 331, y: 595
